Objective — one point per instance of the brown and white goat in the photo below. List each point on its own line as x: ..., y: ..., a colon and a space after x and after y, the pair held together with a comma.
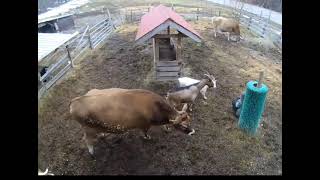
x: 190, y: 93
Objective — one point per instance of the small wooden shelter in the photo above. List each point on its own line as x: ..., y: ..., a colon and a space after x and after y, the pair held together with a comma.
x: 160, y: 24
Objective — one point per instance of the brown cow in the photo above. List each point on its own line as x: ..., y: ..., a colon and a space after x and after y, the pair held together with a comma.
x: 226, y: 26
x: 118, y: 110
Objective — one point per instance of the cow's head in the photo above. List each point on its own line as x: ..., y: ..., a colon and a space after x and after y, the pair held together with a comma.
x: 211, y: 80
x: 182, y: 121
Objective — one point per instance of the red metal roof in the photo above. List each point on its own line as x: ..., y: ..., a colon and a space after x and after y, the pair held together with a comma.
x: 159, y: 15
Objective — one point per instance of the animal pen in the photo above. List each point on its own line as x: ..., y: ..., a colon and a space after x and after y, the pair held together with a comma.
x: 58, y: 52
x: 166, y: 28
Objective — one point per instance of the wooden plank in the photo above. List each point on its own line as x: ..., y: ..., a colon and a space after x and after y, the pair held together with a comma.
x: 175, y: 74
x: 167, y: 63
x: 169, y: 68
x: 167, y: 78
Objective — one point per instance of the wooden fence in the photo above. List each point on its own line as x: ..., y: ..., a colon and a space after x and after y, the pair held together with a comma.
x: 65, y: 56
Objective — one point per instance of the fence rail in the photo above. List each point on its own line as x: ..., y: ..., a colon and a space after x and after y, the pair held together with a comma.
x: 63, y: 59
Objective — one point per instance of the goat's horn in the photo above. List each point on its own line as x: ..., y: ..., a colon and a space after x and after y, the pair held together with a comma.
x: 208, y: 76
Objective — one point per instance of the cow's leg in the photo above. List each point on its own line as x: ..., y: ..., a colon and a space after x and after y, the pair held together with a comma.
x: 166, y: 128
x: 228, y: 34
x: 90, y: 139
x: 215, y: 33
x: 145, y: 132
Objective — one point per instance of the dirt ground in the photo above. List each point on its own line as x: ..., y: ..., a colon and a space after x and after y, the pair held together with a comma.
x: 218, y: 147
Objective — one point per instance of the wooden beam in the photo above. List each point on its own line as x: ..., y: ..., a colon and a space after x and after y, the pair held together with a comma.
x: 168, y: 30
x: 168, y: 74
x: 168, y: 68
x: 154, y: 51
x: 169, y: 35
x: 167, y: 63
x: 178, y: 52
x: 167, y: 78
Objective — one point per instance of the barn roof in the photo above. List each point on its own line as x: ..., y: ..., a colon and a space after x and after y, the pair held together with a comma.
x: 65, y: 8
x: 161, y: 17
x: 48, y: 42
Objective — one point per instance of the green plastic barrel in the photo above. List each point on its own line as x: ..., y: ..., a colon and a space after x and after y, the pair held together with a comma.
x: 252, y: 107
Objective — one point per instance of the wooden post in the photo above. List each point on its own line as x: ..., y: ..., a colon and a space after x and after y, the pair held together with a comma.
x: 264, y: 29
x: 197, y: 14
x: 56, y: 26
x: 154, y: 52
x: 219, y: 12
x: 109, y: 16
x: 69, y: 55
x: 178, y: 53
x: 168, y: 30
x: 260, y: 79
x: 250, y: 19
x: 90, y: 42
x: 131, y: 15
x: 157, y: 49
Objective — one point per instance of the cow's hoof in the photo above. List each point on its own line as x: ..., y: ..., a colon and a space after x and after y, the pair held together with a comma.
x: 147, y: 137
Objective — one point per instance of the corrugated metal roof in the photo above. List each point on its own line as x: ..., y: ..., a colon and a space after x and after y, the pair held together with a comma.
x: 48, y: 42
x: 159, y: 15
x: 63, y: 9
